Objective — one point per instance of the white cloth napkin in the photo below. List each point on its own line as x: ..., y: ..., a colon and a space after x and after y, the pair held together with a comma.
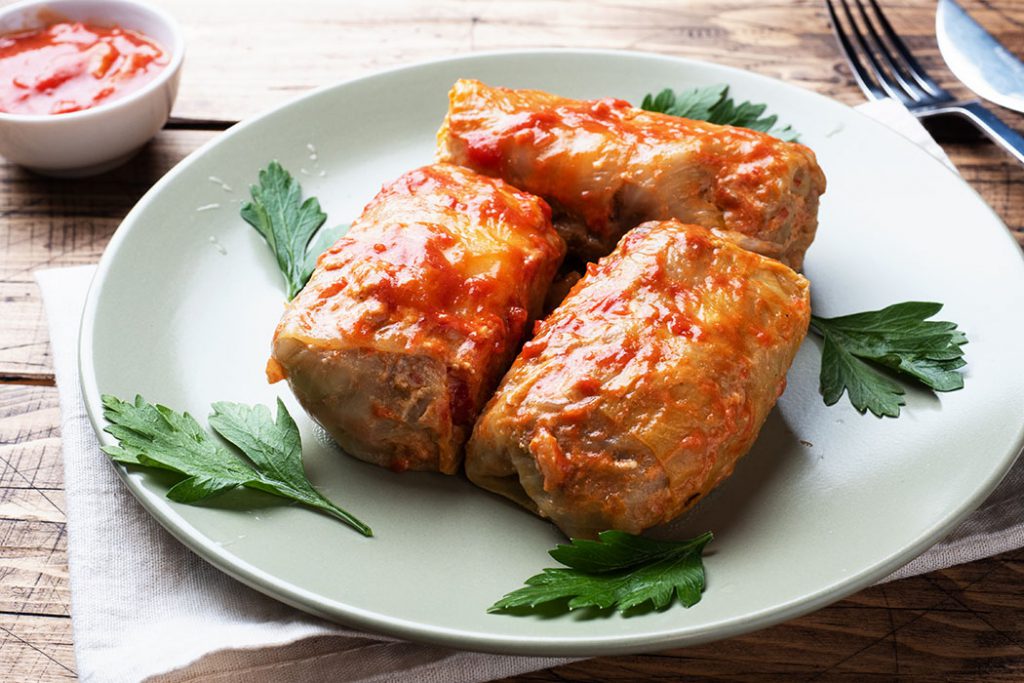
x: 146, y: 608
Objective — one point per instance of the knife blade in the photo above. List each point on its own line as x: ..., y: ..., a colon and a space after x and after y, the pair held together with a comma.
x: 980, y: 61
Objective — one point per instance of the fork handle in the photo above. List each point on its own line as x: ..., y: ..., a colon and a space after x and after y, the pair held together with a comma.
x: 989, y: 124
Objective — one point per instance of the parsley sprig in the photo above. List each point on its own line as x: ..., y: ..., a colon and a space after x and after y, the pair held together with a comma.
x: 618, y: 570
x: 156, y: 436
x: 900, y: 339
x: 289, y: 224
x: 713, y: 104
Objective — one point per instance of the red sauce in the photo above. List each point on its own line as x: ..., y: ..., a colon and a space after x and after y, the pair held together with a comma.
x: 69, y: 67
x: 462, y: 406
x: 588, y: 386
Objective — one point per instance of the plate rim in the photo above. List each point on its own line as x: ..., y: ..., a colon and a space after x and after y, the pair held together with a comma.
x: 588, y: 645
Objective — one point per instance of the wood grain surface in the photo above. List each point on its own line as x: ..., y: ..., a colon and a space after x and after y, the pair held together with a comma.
x: 965, y: 623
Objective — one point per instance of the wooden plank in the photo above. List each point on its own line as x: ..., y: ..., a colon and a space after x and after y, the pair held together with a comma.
x: 33, y: 566
x: 36, y: 648
x: 33, y: 555
x: 791, y: 40
x: 30, y: 438
x: 24, y: 340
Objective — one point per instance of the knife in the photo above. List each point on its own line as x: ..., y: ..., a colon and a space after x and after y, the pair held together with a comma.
x: 980, y: 61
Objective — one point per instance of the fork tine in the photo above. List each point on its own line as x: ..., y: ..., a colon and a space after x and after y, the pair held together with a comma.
x: 892, y: 62
x: 864, y: 78
x: 891, y: 86
x: 916, y: 70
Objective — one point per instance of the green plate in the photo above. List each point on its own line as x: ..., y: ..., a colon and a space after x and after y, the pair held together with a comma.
x: 187, y: 296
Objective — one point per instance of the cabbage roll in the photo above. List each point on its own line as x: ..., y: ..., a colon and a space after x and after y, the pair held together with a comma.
x: 411, y: 318
x: 640, y: 392
x: 606, y: 166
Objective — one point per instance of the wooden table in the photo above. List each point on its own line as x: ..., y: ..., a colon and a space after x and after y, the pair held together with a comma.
x: 964, y: 623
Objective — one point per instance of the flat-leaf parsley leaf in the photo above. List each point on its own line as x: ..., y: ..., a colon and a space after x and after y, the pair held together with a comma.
x: 898, y: 338
x: 156, y: 436
x: 287, y: 223
x: 619, y: 570
x: 713, y: 104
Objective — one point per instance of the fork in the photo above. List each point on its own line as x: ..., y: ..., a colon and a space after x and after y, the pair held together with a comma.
x: 892, y: 72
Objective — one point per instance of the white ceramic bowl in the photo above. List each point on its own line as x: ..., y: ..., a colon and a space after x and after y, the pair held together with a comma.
x: 97, y: 139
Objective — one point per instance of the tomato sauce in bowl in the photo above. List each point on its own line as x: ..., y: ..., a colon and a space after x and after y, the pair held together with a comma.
x: 71, y: 66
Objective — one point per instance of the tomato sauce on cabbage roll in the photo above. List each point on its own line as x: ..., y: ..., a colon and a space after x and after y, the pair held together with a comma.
x: 606, y: 166
x: 639, y: 393
x: 410, y: 319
